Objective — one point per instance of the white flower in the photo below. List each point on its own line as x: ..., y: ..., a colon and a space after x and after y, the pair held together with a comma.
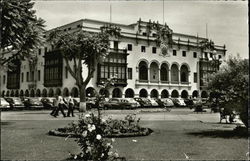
x: 116, y: 154
x: 102, y: 155
x: 113, y: 140
x: 87, y: 115
x: 75, y: 157
x: 84, y: 133
x: 98, y: 137
x: 91, y: 127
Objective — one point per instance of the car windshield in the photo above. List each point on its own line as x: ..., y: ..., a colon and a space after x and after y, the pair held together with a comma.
x: 114, y: 100
x: 17, y: 100
x: 34, y: 100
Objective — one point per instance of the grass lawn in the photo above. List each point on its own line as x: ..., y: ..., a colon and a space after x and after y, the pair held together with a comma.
x: 28, y: 140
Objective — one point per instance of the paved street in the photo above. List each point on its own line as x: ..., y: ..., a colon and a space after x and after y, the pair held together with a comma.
x: 179, y: 134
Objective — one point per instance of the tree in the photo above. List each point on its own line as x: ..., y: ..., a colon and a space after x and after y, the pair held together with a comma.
x: 80, y: 48
x: 21, y: 30
x: 231, y: 84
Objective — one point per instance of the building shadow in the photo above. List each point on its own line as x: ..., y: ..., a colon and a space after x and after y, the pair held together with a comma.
x: 236, y: 133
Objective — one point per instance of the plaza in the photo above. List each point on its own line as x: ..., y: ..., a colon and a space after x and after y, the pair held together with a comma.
x: 179, y: 134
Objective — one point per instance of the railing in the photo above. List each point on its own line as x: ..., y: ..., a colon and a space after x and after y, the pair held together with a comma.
x: 120, y: 51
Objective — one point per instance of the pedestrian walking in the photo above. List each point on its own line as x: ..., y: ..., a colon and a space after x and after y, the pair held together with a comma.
x: 55, y: 107
x: 61, y: 104
x: 71, y: 107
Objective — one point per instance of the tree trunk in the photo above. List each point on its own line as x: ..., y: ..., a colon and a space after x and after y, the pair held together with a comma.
x: 82, y: 105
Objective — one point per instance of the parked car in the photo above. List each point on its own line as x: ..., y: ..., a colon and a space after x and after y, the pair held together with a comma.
x: 118, y: 103
x: 144, y: 102
x: 48, y: 102
x: 4, y: 105
x: 179, y: 102
x: 153, y: 102
x: 33, y: 103
x: 91, y: 102
x: 167, y: 102
x: 133, y: 102
x: 15, y: 102
x: 189, y: 102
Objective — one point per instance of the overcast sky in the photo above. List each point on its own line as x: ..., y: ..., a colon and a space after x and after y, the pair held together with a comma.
x: 227, y: 21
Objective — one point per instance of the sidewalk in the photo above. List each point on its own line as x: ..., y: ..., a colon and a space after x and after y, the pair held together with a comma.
x: 176, y: 114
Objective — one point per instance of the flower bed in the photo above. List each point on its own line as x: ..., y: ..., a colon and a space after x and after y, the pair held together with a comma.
x: 92, y: 132
x: 64, y: 133
x: 112, y: 128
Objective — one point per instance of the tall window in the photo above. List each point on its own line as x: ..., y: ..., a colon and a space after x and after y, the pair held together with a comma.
x: 115, y: 64
x: 39, y: 51
x: 143, y: 49
x: 28, y: 77
x: 143, y: 71
x: 129, y: 73
x: 115, y: 44
x: 174, y: 53
x: 39, y: 75
x: 22, y: 77
x: 4, y: 79
x: 195, y: 77
x: 153, y: 50
x: 194, y: 54
x: 53, y: 69
x: 66, y: 72
x: 32, y: 76
x: 164, y: 73
x: 130, y: 47
x: 184, y: 53
x: 205, y: 54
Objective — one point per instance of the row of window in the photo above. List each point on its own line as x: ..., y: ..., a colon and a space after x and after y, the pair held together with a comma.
x: 184, y: 53
x: 30, y: 76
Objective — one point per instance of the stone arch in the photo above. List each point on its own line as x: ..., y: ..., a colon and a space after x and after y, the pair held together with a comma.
x: 21, y: 94
x: 184, y: 73
x: 143, y: 70
x: 195, y: 94
x: 44, y: 92
x: 175, y: 94
x: 155, y: 61
x: 32, y: 93
x: 164, y: 94
x: 38, y: 93
x: 184, y: 94
x: 12, y: 93
x: 143, y: 93
x: 204, y: 94
x: 164, y: 72
x: 58, y: 92
x: 154, y: 72
x: 90, y: 92
x: 74, y: 92
x: 104, y: 92
x: 27, y: 93
x: 7, y: 93
x: 142, y: 60
x: 174, y: 73
x: 17, y: 93
x: 154, y: 93
x: 51, y: 92
x: 65, y: 92
x: 129, y: 93
x: 117, y: 93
